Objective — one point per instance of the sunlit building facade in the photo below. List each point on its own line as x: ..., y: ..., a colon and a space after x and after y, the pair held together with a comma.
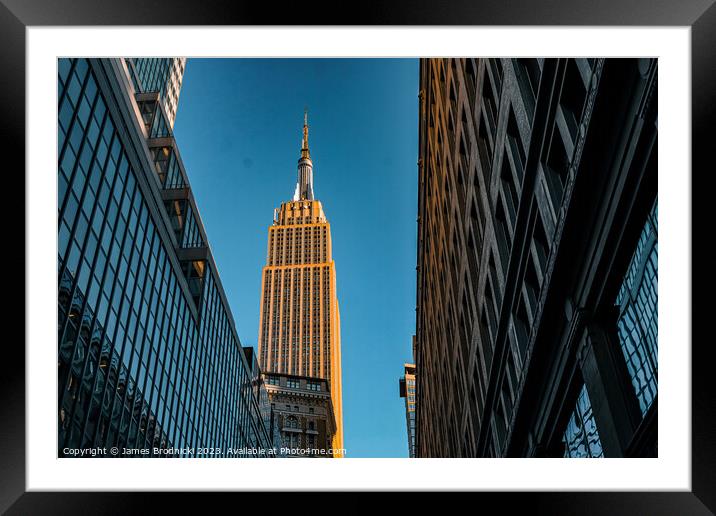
x: 407, y: 391
x: 299, y: 327
x: 536, y: 329
x: 149, y: 359
x: 161, y: 75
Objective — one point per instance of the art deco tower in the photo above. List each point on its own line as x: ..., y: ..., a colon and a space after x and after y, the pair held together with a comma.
x: 299, y: 327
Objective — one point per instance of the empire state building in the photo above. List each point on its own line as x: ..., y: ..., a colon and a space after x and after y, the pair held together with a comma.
x: 299, y: 327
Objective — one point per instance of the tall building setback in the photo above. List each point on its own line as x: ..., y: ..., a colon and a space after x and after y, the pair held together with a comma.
x: 148, y: 357
x: 536, y: 328
x: 161, y: 75
x: 299, y: 327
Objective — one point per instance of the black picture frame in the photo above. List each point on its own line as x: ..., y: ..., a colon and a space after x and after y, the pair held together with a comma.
x: 17, y: 15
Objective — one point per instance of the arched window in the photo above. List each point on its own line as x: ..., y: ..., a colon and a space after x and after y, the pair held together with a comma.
x: 291, y: 422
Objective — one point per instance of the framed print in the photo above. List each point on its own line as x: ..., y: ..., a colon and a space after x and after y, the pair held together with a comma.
x: 425, y: 246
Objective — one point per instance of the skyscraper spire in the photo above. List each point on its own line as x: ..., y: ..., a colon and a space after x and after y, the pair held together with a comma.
x: 304, y: 183
x: 304, y: 143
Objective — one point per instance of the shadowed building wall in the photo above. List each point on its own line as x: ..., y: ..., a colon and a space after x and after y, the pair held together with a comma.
x: 536, y: 296
x: 303, y: 415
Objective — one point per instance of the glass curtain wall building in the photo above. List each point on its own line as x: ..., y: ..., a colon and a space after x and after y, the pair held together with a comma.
x: 148, y: 356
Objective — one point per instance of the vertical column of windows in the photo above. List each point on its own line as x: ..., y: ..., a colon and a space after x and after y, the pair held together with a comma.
x: 116, y: 367
x: 325, y: 243
x: 175, y: 406
x: 158, y: 373
x: 205, y: 418
x: 139, y: 334
x: 289, y: 359
x: 264, y: 342
x: 306, y: 320
x: 315, y: 317
x: 274, y: 320
x: 301, y: 320
x: 296, y: 245
x: 91, y: 337
x: 327, y: 315
x: 272, y: 247
x: 82, y: 241
x: 131, y: 336
x: 299, y: 361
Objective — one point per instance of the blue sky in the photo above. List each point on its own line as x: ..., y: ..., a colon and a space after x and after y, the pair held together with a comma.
x: 238, y: 128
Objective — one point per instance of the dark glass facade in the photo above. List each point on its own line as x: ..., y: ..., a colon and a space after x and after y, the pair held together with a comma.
x: 536, y: 327
x: 638, y: 315
x: 581, y: 437
x: 148, y: 353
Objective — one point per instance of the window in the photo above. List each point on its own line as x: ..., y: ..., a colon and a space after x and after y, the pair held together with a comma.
x: 637, y: 324
x: 581, y: 438
x: 471, y: 79
x: 293, y: 383
x: 528, y: 72
x: 557, y: 169
x: 290, y: 440
x: 514, y: 143
x: 574, y: 95
x: 484, y: 145
x: 313, y: 386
